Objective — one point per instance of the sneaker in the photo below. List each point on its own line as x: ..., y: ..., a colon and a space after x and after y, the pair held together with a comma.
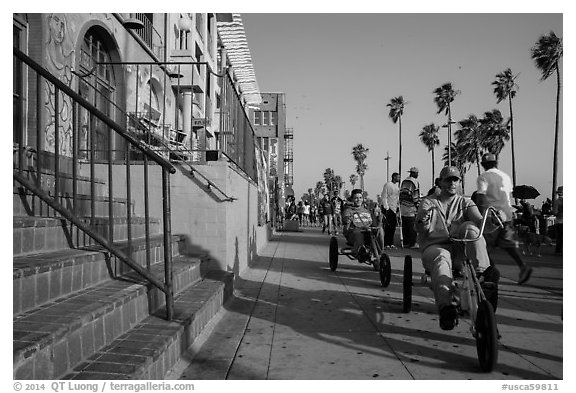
x: 524, y: 275
x: 448, y: 317
x: 392, y: 247
x: 415, y: 246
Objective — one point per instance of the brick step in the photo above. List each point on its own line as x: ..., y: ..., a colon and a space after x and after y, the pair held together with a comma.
x: 43, y: 234
x: 49, y: 341
x: 42, y: 278
x: 26, y: 204
x: 154, y: 346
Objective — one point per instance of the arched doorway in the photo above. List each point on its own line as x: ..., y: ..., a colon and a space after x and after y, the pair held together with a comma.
x: 98, y: 86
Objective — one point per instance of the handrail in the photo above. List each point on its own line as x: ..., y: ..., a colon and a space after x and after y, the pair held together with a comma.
x: 185, y: 149
x: 67, y: 214
x: 100, y: 115
x: 72, y: 214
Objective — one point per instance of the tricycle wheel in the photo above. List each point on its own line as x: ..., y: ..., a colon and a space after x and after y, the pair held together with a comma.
x: 385, y: 270
x: 486, y: 336
x: 407, y: 285
x: 333, y: 257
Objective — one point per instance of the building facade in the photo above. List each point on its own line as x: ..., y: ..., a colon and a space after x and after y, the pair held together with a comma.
x: 276, y: 140
x: 134, y: 157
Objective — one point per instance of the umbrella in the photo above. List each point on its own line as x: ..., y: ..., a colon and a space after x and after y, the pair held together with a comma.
x: 525, y: 192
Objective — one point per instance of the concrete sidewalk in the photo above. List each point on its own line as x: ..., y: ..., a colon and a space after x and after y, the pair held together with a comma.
x: 293, y: 318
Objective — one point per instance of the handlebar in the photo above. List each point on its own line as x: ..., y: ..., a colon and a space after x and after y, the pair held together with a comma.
x: 482, y: 227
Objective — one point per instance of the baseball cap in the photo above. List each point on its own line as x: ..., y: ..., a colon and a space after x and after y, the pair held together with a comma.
x: 449, y: 171
x: 413, y: 169
x: 489, y: 157
x: 356, y: 191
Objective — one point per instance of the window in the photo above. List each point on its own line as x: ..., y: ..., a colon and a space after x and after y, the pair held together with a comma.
x: 257, y: 118
x: 266, y: 118
x: 274, y: 118
x: 99, y: 88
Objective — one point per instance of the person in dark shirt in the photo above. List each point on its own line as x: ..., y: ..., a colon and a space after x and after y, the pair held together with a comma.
x: 337, y: 207
x: 326, y: 208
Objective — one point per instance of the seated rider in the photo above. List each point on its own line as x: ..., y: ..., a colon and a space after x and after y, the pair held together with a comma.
x: 463, y: 219
x: 356, y: 218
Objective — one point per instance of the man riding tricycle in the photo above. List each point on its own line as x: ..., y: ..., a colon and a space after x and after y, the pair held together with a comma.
x: 364, y: 239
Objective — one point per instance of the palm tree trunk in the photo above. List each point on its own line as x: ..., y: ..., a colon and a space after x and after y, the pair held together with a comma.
x: 449, y: 136
x: 555, y: 167
x: 400, y: 146
x: 478, y: 162
x: 512, y: 146
x: 433, y: 171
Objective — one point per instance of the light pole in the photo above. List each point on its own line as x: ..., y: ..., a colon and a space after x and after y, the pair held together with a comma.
x: 448, y: 125
x: 387, y: 165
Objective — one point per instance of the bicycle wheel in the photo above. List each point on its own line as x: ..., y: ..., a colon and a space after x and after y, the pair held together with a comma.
x: 333, y: 253
x: 486, y: 336
x: 385, y: 270
x: 407, y: 285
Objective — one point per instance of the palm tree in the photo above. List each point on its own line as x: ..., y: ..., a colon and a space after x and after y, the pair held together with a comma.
x: 353, y: 179
x: 429, y: 137
x: 470, y: 139
x: 359, y: 153
x: 361, y: 170
x: 396, y: 111
x: 338, y: 183
x: 329, y: 179
x: 494, y: 132
x: 505, y: 88
x: 456, y: 156
x: 547, y: 54
x: 444, y: 95
x: 319, y: 189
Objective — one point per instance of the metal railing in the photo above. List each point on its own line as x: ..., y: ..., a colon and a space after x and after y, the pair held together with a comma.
x: 150, y: 35
x: 50, y: 168
x: 235, y: 136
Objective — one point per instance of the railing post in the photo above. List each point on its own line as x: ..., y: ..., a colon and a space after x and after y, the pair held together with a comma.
x: 167, y: 245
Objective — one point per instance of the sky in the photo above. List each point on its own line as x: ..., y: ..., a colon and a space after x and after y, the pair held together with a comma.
x: 339, y: 71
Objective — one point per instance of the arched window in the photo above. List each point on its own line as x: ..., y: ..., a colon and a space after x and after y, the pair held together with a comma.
x: 98, y: 86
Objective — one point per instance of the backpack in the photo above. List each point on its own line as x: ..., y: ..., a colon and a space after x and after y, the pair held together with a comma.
x: 409, y: 193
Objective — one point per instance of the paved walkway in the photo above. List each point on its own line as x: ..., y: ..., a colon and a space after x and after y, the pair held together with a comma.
x: 293, y: 318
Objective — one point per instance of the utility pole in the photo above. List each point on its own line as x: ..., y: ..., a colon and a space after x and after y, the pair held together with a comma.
x: 387, y: 165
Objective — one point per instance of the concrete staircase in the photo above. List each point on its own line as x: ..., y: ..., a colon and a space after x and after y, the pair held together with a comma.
x: 78, y: 313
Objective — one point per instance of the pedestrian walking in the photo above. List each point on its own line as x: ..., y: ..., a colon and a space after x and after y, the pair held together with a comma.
x: 326, y: 206
x: 300, y: 212
x: 557, y: 210
x: 409, y: 197
x: 494, y: 189
x: 390, y: 193
x: 337, y: 207
x: 306, y: 214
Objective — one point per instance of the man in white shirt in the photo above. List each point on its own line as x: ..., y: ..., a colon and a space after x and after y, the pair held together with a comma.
x: 390, y: 193
x: 494, y: 188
